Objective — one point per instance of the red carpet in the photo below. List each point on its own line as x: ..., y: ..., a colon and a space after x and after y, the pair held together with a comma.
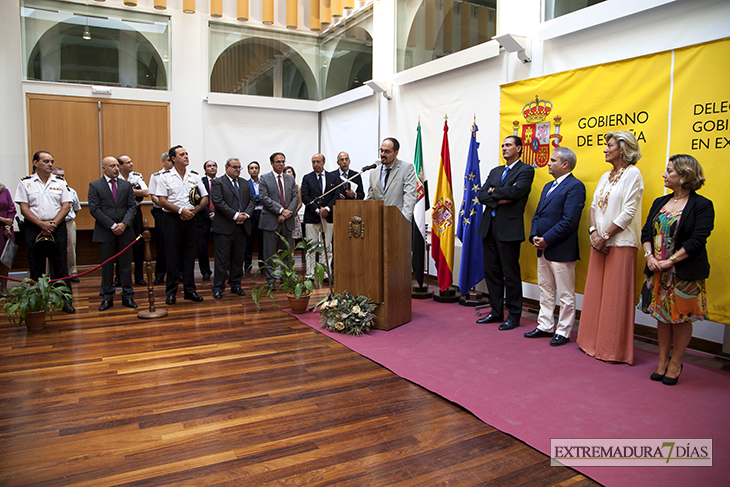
x: 536, y: 392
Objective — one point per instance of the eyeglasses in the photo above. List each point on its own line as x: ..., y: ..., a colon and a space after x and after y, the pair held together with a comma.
x: 385, y: 151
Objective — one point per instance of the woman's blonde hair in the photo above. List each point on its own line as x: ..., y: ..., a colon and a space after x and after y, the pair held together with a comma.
x: 628, y: 145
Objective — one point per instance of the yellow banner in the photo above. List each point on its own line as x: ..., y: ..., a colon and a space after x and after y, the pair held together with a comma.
x: 576, y: 108
x: 700, y: 117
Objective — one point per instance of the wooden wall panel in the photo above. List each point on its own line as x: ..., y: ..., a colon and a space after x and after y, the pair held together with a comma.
x: 68, y: 127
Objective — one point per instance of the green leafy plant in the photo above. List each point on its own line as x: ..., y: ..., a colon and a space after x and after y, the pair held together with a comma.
x: 288, y: 280
x: 30, y: 296
x: 345, y: 313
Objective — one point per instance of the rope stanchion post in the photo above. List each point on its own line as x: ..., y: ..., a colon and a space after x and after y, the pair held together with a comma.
x: 152, y: 312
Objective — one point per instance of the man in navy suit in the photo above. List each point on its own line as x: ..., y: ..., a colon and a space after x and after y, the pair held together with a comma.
x: 234, y: 206
x: 112, y: 204
x: 554, y: 233
x: 502, y: 230
x: 318, y: 214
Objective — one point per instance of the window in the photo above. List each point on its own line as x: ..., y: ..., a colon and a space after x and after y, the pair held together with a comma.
x: 430, y: 29
x: 556, y: 8
x: 270, y: 62
x: 74, y: 43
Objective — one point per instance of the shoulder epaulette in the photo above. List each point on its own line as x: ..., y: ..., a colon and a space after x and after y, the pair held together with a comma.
x: 157, y: 173
x: 194, y: 172
x: 136, y: 173
x: 165, y: 172
x: 27, y: 177
x: 59, y: 177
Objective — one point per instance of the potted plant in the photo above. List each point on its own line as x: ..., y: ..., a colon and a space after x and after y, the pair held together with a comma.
x: 30, y: 301
x: 296, y: 285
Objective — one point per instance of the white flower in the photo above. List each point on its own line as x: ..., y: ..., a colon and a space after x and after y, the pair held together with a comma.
x: 356, y: 309
x: 339, y: 325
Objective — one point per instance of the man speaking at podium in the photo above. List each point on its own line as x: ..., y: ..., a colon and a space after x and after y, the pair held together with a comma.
x: 393, y: 181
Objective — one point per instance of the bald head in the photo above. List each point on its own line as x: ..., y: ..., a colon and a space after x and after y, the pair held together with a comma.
x: 110, y: 166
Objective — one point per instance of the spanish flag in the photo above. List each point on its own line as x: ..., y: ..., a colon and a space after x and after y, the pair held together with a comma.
x: 442, y: 219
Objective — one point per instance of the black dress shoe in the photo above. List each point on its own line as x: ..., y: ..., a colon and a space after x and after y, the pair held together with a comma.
x: 141, y: 282
x: 510, y: 324
x: 106, y: 304
x: 158, y: 281
x: 193, y: 297
x: 669, y: 381
x: 658, y: 377
x: 238, y: 291
x: 559, y: 340
x: 490, y: 318
x: 117, y: 283
x: 170, y: 299
x: 129, y: 303
x: 68, y: 308
x: 73, y: 279
x: 217, y: 295
x: 538, y: 333
x: 206, y: 277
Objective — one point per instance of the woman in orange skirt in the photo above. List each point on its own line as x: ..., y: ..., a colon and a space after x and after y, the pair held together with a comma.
x: 606, y: 329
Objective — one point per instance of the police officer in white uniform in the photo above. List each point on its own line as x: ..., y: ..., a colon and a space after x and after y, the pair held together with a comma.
x: 174, y: 189
x: 44, y: 201
x: 158, y: 215
x: 126, y: 172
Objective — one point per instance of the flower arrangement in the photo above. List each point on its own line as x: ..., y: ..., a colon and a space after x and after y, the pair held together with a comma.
x: 345, y: 313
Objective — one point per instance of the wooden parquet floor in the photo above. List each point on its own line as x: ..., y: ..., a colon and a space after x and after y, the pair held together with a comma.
x: 218, y: 393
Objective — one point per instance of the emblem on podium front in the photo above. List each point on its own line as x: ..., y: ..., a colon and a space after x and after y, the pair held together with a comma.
x: 535, y: 133
x: 356, y: 228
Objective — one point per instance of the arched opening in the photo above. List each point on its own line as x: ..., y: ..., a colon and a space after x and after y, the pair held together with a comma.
x: 351, y: 63
x: 264, y: 67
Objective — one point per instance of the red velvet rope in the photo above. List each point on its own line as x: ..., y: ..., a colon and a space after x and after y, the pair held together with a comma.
x: 90, y: 270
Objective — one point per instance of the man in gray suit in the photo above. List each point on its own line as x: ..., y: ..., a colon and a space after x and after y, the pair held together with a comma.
x: 279, y: 199
x: 394, y: 181
x: 112, y: 204
x: 234, y: 205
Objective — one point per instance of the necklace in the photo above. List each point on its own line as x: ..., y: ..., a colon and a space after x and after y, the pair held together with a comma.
x: 676, y: 200
x: 605, y: 191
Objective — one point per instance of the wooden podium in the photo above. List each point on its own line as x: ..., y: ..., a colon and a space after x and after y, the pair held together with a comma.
x: 372, y: 257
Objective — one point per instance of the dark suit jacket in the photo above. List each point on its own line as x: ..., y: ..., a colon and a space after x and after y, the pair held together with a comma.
x: 359, y: 192
x: 269, y: 193
x: 106, y: 211
x: 695, y: 225
x: 557, y: 217
x: 508, y: 220
x: 225, y: 200
x: 311, y: 189
x: 203, y: 216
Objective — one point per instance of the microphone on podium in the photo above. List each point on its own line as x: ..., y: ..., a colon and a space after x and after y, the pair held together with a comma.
x: 367, y: 168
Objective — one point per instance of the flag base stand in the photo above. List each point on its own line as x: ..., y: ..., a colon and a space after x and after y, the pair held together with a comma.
x: 474, y: 298
x: 151, y: 313
x: 421, y: 292
x: 451, y: 295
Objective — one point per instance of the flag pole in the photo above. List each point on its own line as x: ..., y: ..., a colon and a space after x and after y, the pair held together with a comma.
x: 420, y: 243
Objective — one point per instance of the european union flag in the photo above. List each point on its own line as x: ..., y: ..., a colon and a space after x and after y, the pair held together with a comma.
x: 471, y: 271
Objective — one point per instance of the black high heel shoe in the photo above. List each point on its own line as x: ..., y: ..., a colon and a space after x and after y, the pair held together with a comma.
x: 658, y: 377
x: 668, y: 381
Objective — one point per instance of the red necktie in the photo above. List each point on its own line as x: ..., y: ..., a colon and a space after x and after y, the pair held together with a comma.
x: 281, y: 193
x: 210, y: 199
x: 114, y: 188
